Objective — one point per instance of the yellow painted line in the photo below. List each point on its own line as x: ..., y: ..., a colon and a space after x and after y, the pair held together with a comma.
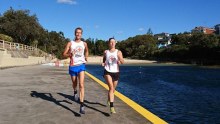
x: 147, y: 114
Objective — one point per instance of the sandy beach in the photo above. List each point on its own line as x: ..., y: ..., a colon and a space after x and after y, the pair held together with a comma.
x: 98, y: 60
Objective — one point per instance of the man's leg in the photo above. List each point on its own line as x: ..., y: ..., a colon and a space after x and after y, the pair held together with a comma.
x: 81, y: 77
x: 74, y: 82
x: 74, y: 85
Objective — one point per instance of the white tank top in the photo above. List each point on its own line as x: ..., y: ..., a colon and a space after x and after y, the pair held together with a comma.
x: 77, y: 50
x: 111, y: 62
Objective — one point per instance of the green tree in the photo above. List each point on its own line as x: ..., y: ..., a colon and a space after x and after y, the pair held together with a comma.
x: 57, y: 43
x: 204, y: 41
x: 91, y: 46
x: 20, y: 25
x: 24, y: 28
x: 181, y: 39
x: 149, y: 31
x: 139, y: 47
x: 100, y: 47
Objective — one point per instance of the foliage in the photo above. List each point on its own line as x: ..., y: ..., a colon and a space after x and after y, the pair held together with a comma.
x: 139, y: 47
x: 6, y: 38
x: 19, y: 26
x: 25, y: 28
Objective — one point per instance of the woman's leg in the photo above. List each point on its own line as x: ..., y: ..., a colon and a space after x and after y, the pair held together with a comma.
x: 108, y: 79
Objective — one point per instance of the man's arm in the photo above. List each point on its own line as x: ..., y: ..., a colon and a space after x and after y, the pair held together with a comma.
x: 86, y: 51
x: 66, y: 53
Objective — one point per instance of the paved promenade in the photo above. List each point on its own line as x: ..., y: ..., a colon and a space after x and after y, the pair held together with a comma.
x: 43, y: 95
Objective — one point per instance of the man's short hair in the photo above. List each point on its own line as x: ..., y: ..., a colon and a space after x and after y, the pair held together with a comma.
x: 78, y: 28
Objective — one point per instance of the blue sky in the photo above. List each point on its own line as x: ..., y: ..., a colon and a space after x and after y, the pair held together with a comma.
x: 119, y: 18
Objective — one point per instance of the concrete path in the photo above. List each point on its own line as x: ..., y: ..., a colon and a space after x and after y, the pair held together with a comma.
x: 43, y: 95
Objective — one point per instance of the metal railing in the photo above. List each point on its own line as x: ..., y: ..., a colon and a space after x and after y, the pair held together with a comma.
x: 11, y: 46
x: 15, y: 46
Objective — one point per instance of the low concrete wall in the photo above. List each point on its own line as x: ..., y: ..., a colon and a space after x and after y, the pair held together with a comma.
x: 6, y: 60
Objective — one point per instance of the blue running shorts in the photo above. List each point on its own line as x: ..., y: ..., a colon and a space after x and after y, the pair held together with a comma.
x: 75, y: 70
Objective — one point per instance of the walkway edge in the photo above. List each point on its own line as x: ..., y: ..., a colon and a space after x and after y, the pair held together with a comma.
x: 147, y: 114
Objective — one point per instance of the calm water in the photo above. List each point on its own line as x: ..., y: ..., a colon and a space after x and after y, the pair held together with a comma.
x: 177, y: 94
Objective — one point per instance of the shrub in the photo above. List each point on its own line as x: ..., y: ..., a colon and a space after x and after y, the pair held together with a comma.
x: 6, y: 38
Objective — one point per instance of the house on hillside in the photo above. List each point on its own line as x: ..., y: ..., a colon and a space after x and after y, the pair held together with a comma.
x: 164, y: 39
x: 217, y: 29
x: 204, y: 30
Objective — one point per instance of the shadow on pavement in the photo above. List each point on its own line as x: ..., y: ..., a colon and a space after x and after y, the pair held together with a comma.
x: 86, y: 101
x: 86, y: 105
x: 50, y: 98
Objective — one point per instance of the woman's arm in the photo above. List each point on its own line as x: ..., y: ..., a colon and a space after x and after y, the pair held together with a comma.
x: 104, y: 58
x: 120, y: 57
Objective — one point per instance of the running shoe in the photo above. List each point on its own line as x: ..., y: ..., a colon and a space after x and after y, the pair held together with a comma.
x: 82, y: 109
x: 112, y: 110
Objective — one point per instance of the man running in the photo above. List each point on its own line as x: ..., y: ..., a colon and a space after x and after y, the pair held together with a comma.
x: 78, y: 52
x: 111, y: 60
